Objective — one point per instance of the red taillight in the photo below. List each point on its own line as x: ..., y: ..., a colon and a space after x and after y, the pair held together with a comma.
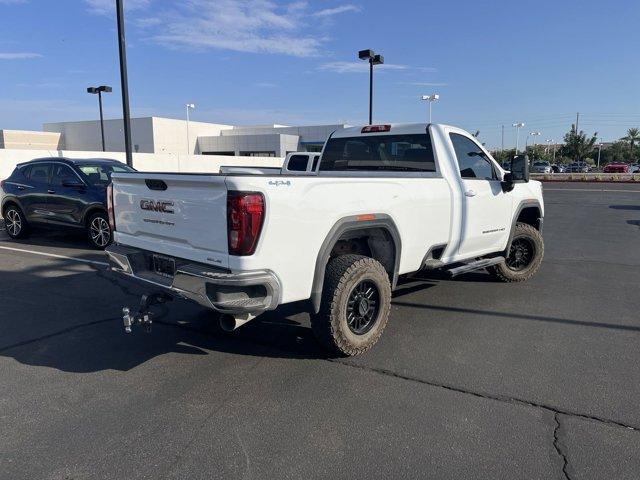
x: 375, y: 128
x: 245, y: 214
x: 112, y: 219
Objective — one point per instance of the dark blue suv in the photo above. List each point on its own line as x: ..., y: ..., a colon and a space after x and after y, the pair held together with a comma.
x: 60, y: 192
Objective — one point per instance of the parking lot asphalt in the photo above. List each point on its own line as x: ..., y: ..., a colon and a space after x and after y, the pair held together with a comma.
x: 471, y: 379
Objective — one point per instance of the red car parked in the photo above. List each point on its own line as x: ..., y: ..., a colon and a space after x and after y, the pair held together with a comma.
x: 616, y: 168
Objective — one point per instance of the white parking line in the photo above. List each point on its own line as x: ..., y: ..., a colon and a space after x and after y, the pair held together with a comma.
x: 588, y: 190
x: 54, y: 255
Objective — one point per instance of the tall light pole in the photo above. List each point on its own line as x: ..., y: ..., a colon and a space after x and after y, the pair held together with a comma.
x: 189, y: 106
x: 124, y: 82
x: 430, y: 98
x: 518, y: 126
x: 99, y: 90
x: 526, y: 142
x: 599, y: 150
x: 535, y: 134
x: 373, y: 59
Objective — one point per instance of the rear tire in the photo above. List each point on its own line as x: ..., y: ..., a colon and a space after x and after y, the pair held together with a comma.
x: 99, y: 232
x: 524, y: 257
x: 15, y: 223
x: 356, y: 300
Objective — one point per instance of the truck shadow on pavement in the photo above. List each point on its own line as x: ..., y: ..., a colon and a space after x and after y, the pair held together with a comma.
x: 65, y: 315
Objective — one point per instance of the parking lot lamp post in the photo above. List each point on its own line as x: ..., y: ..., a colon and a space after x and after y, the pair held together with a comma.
x: 430, y: 98
x: 99, y: 90
x: 599, y: 150
x: 535, y: 134
x: 518, y: 126
x: 373, y: 59
x: 124, y: 82
x: 189, y: 106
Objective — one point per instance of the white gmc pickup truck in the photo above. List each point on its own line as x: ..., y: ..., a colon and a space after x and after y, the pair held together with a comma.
x: 386, y: 201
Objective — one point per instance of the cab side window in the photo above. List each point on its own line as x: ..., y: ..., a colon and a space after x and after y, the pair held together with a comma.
x: 472, y: 161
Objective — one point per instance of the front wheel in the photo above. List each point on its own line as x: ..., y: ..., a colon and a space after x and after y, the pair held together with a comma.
x: 356, y: 300
x: 15, y: 222
x: 524, y: 257
x: 99, y: 232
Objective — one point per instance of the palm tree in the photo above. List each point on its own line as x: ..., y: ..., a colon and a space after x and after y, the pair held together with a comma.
x: 633, y: 136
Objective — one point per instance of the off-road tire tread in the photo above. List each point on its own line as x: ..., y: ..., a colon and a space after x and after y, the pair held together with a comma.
x: 325, y: 325
x: 504, y: 274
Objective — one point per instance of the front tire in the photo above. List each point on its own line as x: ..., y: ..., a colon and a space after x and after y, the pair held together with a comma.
x: 524, y: 257
x: 99, y: 232
x: 356, y: 300
x: 15, y: 223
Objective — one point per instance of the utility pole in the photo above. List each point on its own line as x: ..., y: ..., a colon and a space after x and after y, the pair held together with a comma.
x: 502, y: 147
x: 124, y: 82
x: 577, y: 122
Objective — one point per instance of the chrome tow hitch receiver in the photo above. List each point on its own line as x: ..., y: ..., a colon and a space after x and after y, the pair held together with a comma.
x: 143, y: 316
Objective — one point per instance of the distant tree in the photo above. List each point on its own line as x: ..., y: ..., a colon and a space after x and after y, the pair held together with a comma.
x: 616, y: 152
x: 538, y: 152
x: 577, y: 145
x: 502, y: 156
x: 633, y: 136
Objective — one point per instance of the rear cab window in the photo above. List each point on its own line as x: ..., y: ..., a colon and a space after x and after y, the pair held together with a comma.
x: 298, y: 163
x: 404, y: 153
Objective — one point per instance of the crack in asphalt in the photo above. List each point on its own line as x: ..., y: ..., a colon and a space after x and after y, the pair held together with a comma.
x: 489, y: 396
x: 55, y: 334
x: 560, y: 447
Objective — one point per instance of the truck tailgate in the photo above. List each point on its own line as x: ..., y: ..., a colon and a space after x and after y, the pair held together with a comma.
x: 176, y: 214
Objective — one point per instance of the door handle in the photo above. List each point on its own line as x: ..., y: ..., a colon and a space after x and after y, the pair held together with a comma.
x: 20, y: 187
x: 470, y: 193
x: 51, y: 191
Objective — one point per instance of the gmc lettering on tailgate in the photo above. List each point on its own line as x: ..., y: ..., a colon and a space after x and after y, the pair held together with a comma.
x: 157, y: 205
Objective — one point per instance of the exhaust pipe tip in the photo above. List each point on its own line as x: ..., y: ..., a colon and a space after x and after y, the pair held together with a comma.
x: 228, y: 322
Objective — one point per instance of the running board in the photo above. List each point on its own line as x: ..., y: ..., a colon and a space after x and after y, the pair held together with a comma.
x: 476, y: 265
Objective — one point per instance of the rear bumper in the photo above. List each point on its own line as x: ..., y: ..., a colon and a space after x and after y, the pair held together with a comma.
x: 227, y: 292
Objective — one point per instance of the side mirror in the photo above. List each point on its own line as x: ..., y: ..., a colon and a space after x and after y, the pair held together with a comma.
x: 507, y: 182
x: 73, y: 184
x: 520, y: 169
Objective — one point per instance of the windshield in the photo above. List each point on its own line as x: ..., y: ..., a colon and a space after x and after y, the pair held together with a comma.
x: 100, y: 174
x: 379, y: 152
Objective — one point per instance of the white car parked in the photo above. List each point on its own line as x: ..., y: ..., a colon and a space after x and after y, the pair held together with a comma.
x: 387, y: 200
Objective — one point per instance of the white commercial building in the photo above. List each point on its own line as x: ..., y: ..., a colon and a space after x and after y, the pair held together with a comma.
x: 167, y: 135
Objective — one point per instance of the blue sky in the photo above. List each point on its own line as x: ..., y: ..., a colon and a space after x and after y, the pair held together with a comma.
x: 295, y: 62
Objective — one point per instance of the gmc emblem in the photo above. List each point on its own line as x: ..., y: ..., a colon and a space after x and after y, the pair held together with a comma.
x: 157, y: 206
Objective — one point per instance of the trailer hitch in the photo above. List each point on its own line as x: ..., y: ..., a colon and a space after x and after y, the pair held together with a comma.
x: 143, y: 315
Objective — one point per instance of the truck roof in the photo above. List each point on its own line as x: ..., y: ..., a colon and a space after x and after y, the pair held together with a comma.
x: 394, y: 129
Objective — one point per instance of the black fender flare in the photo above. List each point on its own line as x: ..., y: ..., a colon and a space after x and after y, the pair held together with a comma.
x: 528, y: 203
x: 346, y: 224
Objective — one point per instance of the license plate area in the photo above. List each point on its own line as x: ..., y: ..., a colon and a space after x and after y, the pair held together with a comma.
x: 165, y: 266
